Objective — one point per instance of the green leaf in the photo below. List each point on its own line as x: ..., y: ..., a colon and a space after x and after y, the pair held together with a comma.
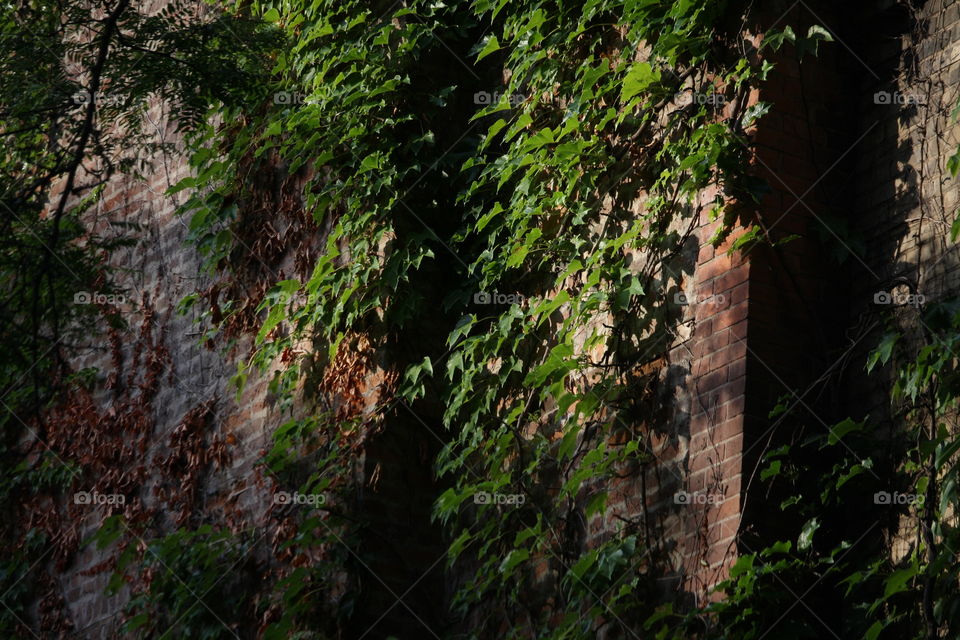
x: 818, y: 32
x: 748, y: 239
x: 883, y: 352
x: 277, y: 315
x: 584, y: 564
x: 782, y: 546
x: 953, y: 164
x: 754, y: 113
x: 597, y: 504
x: 806, y: 534
x: 775, y: 40
x: 742, y: 565
x: 663, y: 611
x: 568, y: 443
x: 842, y: 429
x: 491, y: 46
x: 771, y: 471
x: 560, y: 359
x: 640, y: 76
x: 515, y: 557
x: 897, y: 581
x: 874, y: 631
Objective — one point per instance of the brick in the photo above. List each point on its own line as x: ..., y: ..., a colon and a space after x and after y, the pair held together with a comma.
x: 733, y: 277
x: 718, y: 266
x: 712, y: 380
x: 714, y: 343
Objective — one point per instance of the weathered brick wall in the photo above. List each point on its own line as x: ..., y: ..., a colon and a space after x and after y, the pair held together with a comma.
x: 906, y: 202
x: 721, y: 378
x: 397, y: 488
x: 796, y: 287
x: 697, y: 455
x: 686, y: 497
x: 162, y: 268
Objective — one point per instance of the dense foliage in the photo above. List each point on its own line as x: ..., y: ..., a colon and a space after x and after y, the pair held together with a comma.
x: 549, y: 227
x: 77, y: 83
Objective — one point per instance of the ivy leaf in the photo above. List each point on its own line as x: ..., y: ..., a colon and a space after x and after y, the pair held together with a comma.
x: 842, y: 429
x: 547, y: 307
x: 873, y: 631
x: 271, y: 16
x: 275, y: 128
x: 276, y: 315
x: 806, y: 534
x: 583, y: 564
x: 458, y: 545
x: 560, y: 358
x: 754, y: 113
x: 883, y: 352
x: 515, y: 557
x: 897, y: 581
x: 771, y: 471
x: 819, y: 32
x: 749, y: 238
x: 742, y: 566
x: 953, y: 164
x: 781, y: 546
x: 591, y: 78
x: 815, y: 36
x: 568, y: 443
x: 661, y: 612
x: 776, y: 39
x: 491, y: 46
x: 946, y: 451
x: 638, y: 79
x: 597, y: 504
x: 855, y: 471
x: 413, y: 386
x: 789, y: 502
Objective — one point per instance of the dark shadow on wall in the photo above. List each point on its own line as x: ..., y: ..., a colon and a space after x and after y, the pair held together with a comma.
x: 845, y: 182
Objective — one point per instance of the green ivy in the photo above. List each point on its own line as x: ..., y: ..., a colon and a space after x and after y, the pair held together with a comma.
x: 567, y: 204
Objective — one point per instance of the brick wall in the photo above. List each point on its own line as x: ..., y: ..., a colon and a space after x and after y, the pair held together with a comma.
x: 697, y: 451
x: 159, y: 269
x: 763, y: 324
x: 905, y: 201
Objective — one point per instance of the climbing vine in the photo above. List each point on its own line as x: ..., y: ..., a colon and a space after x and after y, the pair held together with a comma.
x: 509, y: 191
x: 482, y: 215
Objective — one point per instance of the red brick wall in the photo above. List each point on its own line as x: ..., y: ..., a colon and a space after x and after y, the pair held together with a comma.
x: 724, y: 378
